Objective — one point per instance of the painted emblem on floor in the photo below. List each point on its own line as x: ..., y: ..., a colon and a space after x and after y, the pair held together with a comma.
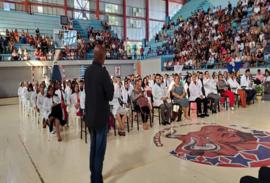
x: 213, y: 144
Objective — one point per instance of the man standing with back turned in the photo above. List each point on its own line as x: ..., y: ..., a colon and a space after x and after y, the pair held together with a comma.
x: 99, y: 91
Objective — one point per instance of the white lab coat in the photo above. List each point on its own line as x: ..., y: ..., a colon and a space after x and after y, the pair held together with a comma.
x: 40, y: 102
x: 245, y: 82
x: 33, y: 98
x: 24, y: 95
x: 58, y: 97
x: 20, y: 91
x: 195, y: 91
x: 68, y: 93
x: 115, y: 102
x: 210, y: 86
x: 82, y: 99
x: 47, y: 107
x: 158, y: 92
x: 75, y: 98
x: 234, y: 85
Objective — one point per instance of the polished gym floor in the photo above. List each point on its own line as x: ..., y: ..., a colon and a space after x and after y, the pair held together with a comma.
x: 29, y: 154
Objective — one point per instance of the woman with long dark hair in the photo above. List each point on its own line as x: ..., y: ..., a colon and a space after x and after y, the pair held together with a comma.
x: 53, y: 111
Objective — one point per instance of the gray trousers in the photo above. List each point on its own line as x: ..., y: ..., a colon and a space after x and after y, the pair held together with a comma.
x: 165, y: 111
x: 214, y: 98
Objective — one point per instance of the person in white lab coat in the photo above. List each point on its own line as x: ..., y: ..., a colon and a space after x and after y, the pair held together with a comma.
x: 24, y: 93
x: 68, y: 93
x: 247, y: 85
x: 210, y: 88
x: 53, y: 111
x: 161, y: 99
x: 20, y: 89
x: 40, y: 103
x: 119, y: 109
x: 82, y: 96
x: 32, y: 95
x: 75, y: 101
x: 195, y: 94
x: 236, y: 88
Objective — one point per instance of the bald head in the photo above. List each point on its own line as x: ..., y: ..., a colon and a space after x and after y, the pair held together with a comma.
x: 99, y: 54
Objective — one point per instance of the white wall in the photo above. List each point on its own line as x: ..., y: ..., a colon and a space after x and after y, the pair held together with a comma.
x: 12, y: 73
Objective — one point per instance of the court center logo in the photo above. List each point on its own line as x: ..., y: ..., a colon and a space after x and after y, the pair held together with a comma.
x: 213, y: 144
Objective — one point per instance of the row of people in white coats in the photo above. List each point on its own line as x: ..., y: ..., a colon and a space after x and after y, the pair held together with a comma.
x: 54, y: 102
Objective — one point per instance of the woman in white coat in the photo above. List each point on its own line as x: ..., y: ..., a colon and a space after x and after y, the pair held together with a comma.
x: 53, y: 112
x: 119, y: 110
x: 40, y: 103
x: 75, y: 101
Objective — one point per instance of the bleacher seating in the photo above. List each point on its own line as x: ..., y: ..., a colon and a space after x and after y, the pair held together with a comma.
x: 82, y: 26
x: 23, y: 21
x: 185, y: 12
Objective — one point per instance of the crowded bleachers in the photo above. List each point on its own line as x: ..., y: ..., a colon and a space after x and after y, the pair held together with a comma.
x: 217, y: 37
x: 23, y: 39
x: 208, y: 37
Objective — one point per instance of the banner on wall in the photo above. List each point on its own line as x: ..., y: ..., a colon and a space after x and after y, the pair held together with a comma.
x: 178, y: 68
x: 117, y: 70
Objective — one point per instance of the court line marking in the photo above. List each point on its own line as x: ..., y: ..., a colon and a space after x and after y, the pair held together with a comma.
x: 31, y: 160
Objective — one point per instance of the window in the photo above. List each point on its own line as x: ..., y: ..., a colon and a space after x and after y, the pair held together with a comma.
x: 84, y: 6
x: 9, y: 6
x: 113, y: 20
x: 136, y: 12
x: 40, y: 9
x: 133, y: 23
x: 111, y: 8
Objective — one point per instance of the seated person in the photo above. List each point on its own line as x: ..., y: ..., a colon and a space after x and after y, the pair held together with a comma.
x: 14, y: 55
x: 26, y: 55
x: 75, y: 101
x: 195, y: 94
x: 118, y: 103
x: 236, y: 89
x: 223, y: 88
x: 160, y: 97
x: 141, y: 103
x: 259, y: 77
x: 210, y: 88
x: 267, y: 76
x: 246, y: 84
x: 179, y: 96
x: 53, y: 112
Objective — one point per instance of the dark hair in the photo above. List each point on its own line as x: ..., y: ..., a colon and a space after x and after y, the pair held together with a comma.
x: 143, y: 84
x: 248, y: 70
x: 73, y: 89
x: 49, y: 88
x: 30, y: 87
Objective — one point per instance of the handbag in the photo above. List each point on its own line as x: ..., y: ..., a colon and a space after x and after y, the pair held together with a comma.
x: 79, y: 112
x: 143, y: 102
x: 64, y: 108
